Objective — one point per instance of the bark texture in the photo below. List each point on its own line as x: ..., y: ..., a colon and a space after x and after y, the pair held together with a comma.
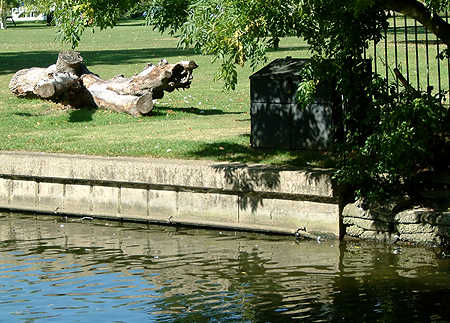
x: 69, y: 81
x: 3, y: 9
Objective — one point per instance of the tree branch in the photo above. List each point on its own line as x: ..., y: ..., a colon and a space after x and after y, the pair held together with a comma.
x: 417, y: 10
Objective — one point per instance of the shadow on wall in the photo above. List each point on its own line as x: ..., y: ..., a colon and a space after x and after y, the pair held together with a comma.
x: 249, y: 178
x: 246, y: 178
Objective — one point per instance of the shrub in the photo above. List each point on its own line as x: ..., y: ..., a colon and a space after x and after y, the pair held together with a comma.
x: 408, y: 134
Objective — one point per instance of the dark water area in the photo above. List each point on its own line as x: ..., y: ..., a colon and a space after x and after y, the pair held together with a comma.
x: 54, y: 269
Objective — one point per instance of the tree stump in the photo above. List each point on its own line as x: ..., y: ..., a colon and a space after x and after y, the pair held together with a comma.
x: 71, y: 62
x: 69, y: 81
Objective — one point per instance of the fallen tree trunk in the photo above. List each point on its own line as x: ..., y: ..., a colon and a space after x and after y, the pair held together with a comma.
x: 70, y: 82
x: 105, y: 97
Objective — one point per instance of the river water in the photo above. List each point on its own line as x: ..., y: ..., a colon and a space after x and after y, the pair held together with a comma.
x: 81, y: 270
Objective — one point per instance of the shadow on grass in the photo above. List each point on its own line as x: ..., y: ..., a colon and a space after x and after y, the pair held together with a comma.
x: 400, y: 30
x: 26, y: 114
x: 20, y: 25
x: 133, y: 24
x: 85, y: 114
x: 163, y: 111
x: 81, y: 115
x: 430, y: 42
x: 19, y: 60
x: 242, y: 153
x: 289, y: 49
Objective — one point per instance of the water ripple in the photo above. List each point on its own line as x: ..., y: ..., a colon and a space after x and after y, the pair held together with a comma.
x: 126, y: 273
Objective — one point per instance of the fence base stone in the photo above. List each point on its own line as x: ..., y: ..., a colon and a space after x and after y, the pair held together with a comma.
x: 416, y: 225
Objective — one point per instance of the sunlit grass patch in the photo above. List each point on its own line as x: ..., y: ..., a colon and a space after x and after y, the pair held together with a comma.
x: 203, y: 122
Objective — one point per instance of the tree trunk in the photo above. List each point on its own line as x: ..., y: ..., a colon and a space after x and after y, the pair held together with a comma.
x: 135, y: 95
x: 3, y: 14
x: 71, y: 62
x: 69, y: 81
x: 2, y: 22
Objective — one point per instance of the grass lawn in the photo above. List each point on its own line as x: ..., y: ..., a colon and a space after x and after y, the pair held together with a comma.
x: 200, y: 123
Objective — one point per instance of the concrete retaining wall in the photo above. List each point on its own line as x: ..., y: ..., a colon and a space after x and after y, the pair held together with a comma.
x: 256, y: 198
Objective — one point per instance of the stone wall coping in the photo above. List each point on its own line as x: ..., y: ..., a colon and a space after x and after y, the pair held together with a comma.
x: 202, y: 174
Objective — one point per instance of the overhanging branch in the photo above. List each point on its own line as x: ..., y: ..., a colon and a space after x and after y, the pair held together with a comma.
x: 417, y: 10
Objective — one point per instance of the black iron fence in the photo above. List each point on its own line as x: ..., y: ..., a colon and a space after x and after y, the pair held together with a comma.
x: 414, y: 51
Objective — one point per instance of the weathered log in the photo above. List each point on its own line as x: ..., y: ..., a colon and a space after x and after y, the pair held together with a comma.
x: 157, y: 78
x: 106, y: 98
x: 54, y: 84
x: 23, y: 82
x: 135, y: 95
x: 69, y: 81
x: 46, y: 83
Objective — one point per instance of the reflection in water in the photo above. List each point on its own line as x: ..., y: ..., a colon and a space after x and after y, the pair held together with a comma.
x: 73, y: 271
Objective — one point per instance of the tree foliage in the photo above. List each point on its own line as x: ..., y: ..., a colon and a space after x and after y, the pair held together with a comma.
x: 407, y: 136
x: 237, y: 31
x: 166, y: 18
x: 72, y: 17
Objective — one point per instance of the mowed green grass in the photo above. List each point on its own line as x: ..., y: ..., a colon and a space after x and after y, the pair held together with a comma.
x: 203, y: 122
